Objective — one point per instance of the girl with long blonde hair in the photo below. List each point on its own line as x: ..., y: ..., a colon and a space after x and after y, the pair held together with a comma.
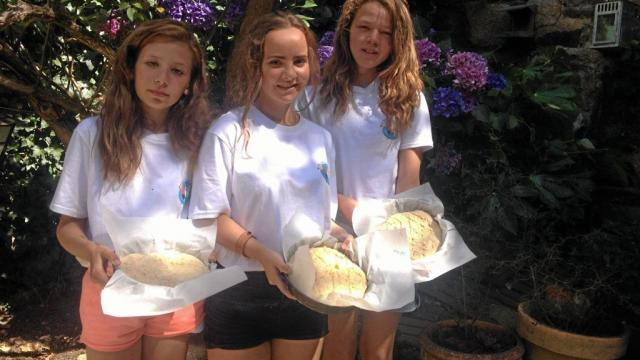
x: 259, y: 164
x: 134, y: 159
x: 371, y: 101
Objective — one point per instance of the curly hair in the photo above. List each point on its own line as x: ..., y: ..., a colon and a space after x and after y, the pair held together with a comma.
x: 399, y: 75
x: 122, y: 117
x: 244, y: 86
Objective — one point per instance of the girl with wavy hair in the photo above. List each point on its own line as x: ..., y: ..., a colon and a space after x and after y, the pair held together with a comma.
x: 134, y: 158
x: 371, y: 101
x: 259, y: 164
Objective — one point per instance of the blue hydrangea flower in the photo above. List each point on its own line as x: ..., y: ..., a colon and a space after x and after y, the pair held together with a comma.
x: 327, y: 38
x: 447, y: 159
x: 449, y: 102
x: 497, y: 81
x: 234, y: 13
x: 324, y: 53
x: 199, y: 14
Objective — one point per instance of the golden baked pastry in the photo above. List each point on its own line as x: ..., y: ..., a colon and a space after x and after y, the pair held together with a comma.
x: 424, y: 232
x: 336, y: 273
x: 165, y: 269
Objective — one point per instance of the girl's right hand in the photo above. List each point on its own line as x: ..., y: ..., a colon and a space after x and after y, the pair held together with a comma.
x: 274, y: 267
x: 101, y: 259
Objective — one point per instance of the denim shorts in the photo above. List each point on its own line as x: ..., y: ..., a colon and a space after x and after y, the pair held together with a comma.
x: 253, y: 312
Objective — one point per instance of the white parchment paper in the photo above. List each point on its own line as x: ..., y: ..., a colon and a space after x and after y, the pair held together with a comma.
x: 453, y: 252
x: 383, y: 256
x: 123, y: 296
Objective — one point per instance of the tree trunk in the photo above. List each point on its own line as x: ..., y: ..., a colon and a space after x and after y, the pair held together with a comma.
x: 255, y: 9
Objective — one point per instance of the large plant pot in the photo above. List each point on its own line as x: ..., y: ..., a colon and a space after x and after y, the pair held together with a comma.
x: 432, y: 351
x: 546, y: 343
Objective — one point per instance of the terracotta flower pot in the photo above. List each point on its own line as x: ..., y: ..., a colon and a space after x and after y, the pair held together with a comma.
x: 432, y: 351
x: 546, y: 343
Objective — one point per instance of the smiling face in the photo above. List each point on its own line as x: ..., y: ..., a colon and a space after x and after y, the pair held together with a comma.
x: 370, y: 40
x: 285, y: 70
x: 162, y: 74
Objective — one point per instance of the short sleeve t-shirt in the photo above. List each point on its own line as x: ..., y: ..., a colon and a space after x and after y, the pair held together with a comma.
x: 160, y: 187
x: 282, y: 170
x: 366, y: 151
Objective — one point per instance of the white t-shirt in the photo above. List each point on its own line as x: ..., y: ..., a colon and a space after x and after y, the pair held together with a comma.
x: 366, y: 152
x: 161, y: 186
x: 284, y: 170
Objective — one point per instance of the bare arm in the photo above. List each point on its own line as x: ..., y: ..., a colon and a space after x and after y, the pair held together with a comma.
x: 73, y: 238
x: 408, y: 169
x: 346, y: 205
x: 228, y: 233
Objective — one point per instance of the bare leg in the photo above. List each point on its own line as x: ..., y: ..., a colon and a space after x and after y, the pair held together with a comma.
x: 378, y: 334
x: 132, y: 353
x: 318, y: 354
x: 282, y: 349
x: 260, y: 352
x: 155, y: 348
x: 340, y: 343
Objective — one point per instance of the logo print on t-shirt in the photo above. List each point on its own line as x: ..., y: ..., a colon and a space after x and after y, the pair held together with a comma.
x: 388, y: 134
x: 324, y: 170
x: 184, y: 191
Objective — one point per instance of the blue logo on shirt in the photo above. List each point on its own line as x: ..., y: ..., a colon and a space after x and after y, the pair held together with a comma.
x: 388, y: 134
x: 184, y: 191
x: 324, y: 170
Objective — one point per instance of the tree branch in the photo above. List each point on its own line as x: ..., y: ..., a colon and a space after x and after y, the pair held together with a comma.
x: 24, y: 12
x: 16, y: 86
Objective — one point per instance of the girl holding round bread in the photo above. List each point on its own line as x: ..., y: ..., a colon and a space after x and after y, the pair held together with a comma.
x: 371, y: 101
x: 259, y: 164
x: 134, y: 158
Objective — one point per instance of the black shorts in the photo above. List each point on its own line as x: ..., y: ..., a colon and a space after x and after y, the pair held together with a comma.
x: 253, y: 312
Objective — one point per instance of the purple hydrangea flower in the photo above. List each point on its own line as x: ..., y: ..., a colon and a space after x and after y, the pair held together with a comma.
x: 449, y: 102
x: 234, y: 13
x: 428, y: 52
x: 112, y: 27
x: 497, y: 81
x: 324, y: 53
x: 447, y: 159
x: 469, y: 70
x: 327, y: 38
x: 197, y: 13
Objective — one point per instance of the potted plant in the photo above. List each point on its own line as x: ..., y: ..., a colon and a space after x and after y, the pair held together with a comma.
x: 514, y: 164
x: 469, y: 339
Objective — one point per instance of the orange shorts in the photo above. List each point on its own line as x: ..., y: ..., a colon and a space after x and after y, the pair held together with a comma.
x: 108, y: 333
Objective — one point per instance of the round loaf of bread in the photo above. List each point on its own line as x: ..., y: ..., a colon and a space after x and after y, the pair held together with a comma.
x: 336, y: 273
x: 424, y: 232
x: 165, y: 269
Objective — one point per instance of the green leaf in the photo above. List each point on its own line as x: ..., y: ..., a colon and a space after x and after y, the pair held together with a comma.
x: 585, y: 144
x: 131, y: 14
x: 512, y: 122
x: 481, y: 113
x: 496, y: 120
x: 506, y: 220
x: 309, y: 4
x: 560, y: 164
x: 523, y: 191
x: 559, y: 191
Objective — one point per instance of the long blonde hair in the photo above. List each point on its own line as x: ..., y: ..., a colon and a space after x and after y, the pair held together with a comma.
x: 243, y: 87
x: 399, y: 75
x: 122, y: 117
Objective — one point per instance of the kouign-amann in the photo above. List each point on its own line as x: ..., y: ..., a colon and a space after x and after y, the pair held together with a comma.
x: 424, y: 232
x: 165, y: 269
x: 335, y: 273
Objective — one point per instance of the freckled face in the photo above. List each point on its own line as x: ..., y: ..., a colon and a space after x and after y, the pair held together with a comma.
x: 285, y: 67
x: 162, y: 73
x: 370, y: 37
